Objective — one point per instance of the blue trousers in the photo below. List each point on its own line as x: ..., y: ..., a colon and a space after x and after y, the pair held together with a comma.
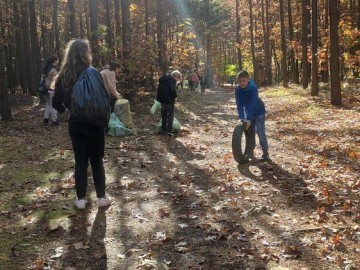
x: 258, y: 124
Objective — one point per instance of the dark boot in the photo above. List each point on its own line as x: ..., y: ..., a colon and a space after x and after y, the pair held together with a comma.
x: 265, y: 157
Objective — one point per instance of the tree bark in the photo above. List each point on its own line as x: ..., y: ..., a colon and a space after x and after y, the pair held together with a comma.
x: 72, y: 19
x: 94, y: 25
x: 160, y: 37
x: 293, y: 66
x: 238, y: 37
x: 109, y: 36
x: 34, y: 42
x: 285, y: 77
x: 253, y: 56
x: 267, y: 52
x: 126, y: 29
x: 335, y: 86
x: 314, y: 47
x: 5, y: 108
x: 147, y: 26
x: 55, y: 25
x: 304, y: 43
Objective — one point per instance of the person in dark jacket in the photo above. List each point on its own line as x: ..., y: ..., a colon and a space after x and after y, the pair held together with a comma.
x: 88, y: 139
x: 251, y: 110
x: 166, y: 95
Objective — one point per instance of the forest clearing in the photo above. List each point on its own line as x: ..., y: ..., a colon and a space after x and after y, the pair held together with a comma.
x: 183, y: 202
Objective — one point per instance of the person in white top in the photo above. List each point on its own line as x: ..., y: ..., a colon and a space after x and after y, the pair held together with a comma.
x: 49, y: 74
x: 109, y: 74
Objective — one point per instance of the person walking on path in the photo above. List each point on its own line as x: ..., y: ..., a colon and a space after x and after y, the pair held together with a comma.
x: 166, y: 95
x: 251, y: 110
x: 49, y: 74
x: 194, y: 80
x: 109, y: 74
x: 88, y: 139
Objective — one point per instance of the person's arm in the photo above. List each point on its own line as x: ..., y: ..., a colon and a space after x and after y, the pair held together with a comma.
x: 252, y: 103
x: 239, y: 103
x: 59, y: 96
x: 172, y: 89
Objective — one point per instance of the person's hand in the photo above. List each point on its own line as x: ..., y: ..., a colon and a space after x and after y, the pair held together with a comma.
x: 248, y: 123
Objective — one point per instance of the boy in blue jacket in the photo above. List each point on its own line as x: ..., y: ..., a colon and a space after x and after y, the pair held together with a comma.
x: 251, y: 110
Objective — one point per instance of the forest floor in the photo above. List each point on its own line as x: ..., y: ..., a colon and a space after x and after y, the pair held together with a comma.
x: 183, y: 202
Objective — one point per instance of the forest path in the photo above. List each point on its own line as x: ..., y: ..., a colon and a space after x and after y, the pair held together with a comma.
x: 183, y: 202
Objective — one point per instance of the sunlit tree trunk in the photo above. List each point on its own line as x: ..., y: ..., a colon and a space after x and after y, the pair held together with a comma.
x: 294, y: 71
x: 304, y: 43
x: 314, y: 47
x: 253, y: 56
x: 34, y: 42
x: 285, y: 77
x: 335, y: 86
x: 267, y: 52
x: 238, y: 37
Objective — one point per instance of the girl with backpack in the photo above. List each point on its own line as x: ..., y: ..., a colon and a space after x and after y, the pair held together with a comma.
x: 79, y: 88
x: 49, y: 74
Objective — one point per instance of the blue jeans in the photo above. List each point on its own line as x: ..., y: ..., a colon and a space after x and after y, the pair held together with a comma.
x: 259, y: 125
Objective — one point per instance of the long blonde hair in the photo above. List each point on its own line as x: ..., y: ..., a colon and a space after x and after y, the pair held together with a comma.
x: 77, y: 57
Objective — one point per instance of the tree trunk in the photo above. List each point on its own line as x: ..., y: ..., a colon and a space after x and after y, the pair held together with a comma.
x: 5, y: 109
x: 335, y: 86
x: 304, y: 43
x: 34, y: 41
x: 160, y: 37
x: 293, y: 68
x: 109, y: 36
x: 238, y: 38
x: 267, y: 52
x: 285, y: 77
x: 94, y: 25
x: 358, y: 14
x: 72, y: 19
x: 314, y: 47
x: 55, y: 26
x: 126, y: 29
x: 253, y: 56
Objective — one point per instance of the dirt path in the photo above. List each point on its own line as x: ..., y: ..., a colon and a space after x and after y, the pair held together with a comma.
x: 183, y: 203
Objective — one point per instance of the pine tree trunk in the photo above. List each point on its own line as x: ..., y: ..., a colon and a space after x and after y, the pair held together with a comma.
x: 267, y: 53
x: 293, y: 67
x: 285, y: 77
x: 335, y: 86
x: 55, y: 23
x: 358, y: 14
x: 304, y: 43
x: 126, y: 29
x: 72, y: 19
x: 314, y: 47
x: 20, y: 54
x: 238, y: 37
x: 5, y: 109
x: 160, y: 37
x: 94, y: 25
x: 34, y: 42
x: 253, y: 56
x: 109, y: 27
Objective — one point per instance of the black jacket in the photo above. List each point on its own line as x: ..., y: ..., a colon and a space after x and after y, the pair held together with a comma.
x: 166, y: 92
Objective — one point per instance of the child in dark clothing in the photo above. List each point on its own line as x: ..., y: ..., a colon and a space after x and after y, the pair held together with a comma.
x: 251, y: 110
x: 166, y: 95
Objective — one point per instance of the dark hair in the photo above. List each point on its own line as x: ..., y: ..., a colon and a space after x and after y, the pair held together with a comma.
x: 51, y: 59
x: 243, y: 74
x: 114, y: 65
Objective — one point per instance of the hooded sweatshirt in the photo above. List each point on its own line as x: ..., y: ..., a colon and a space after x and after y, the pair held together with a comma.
x: 249, y: 105
x: 166, y: 92
x: 49, y: 74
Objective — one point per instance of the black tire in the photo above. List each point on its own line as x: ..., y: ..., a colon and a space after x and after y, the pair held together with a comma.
x: 241, y: 156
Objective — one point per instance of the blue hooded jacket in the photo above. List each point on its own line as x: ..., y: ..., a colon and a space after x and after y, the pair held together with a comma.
x: 249, y: 105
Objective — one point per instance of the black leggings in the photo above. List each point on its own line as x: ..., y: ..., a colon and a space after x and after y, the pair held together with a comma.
x: 167, y: 116
x: 88, y: 142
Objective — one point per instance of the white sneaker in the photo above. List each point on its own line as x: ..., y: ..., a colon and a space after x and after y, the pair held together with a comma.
x: 80, y: 204
x: 104, y: 201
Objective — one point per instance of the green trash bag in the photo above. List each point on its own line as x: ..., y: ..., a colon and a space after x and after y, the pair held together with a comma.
x: 155, y: 107
x: 117, y: 128
x: 176, y: 125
